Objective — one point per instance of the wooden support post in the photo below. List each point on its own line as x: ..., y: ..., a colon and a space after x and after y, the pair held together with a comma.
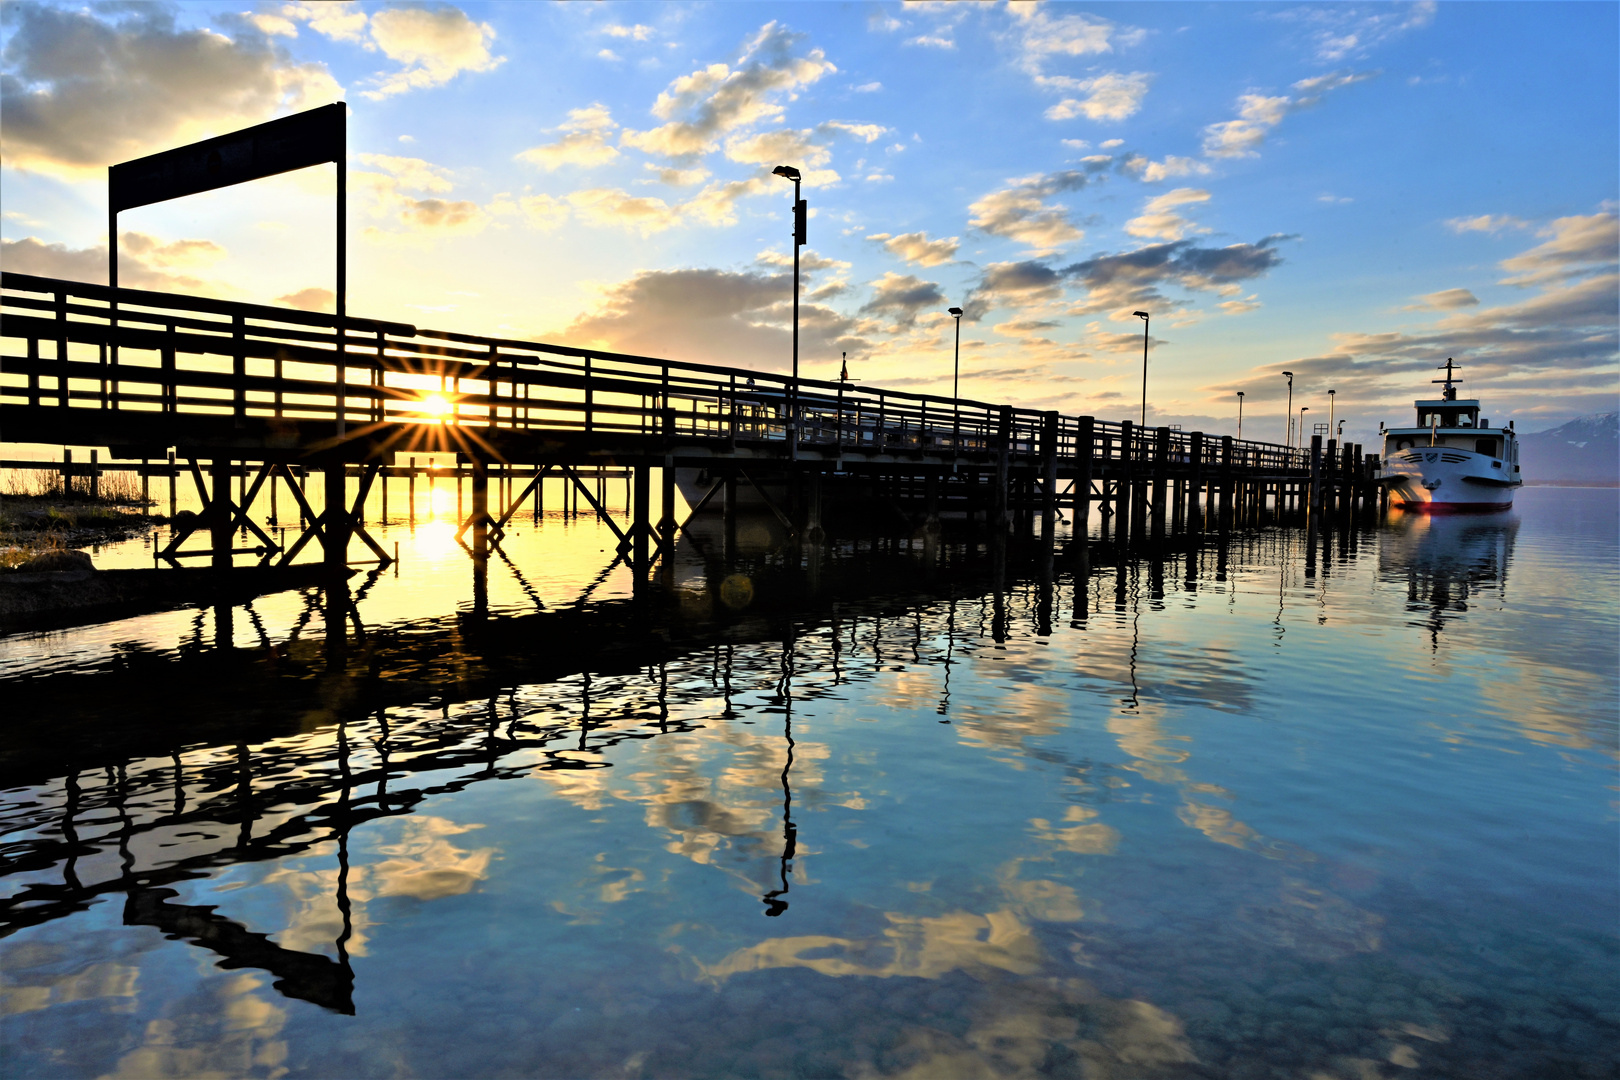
x: 1049, y: 463
x: 1315, y: 504
x: 1224, y: 513
x: 728, y: 511
x: 67, y: 472
x: 410, y: 491
x: 335, y: 522
x: 1084, y: 435
x: 95, y: 474
x: 666, y: 516
x: 382, y: 475
x: 998, y: 515
x: 1195, y: 508
x: 219, y: 514
x: 1161, y: 465
x: 480, y: 508
x: 1123, y: 487
x: 812, y: 508
x: 174, y: 476
x: 640, y: 526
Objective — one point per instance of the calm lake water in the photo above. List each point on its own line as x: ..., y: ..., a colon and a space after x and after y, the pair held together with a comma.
x: 1341, y: 806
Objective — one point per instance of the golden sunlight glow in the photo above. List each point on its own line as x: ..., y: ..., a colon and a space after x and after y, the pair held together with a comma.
x: 436, y: 406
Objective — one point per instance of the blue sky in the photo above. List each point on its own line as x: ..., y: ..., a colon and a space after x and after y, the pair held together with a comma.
x: 1352, y: 192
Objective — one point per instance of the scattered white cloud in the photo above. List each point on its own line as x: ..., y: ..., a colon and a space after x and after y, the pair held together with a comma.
x: 783, y: 146
x: 1150, y: 172
x: 1041, y: 36
x: 868, y: 88
x: 1078, y: 144
x: 678, y: 177
x: 1110, y: 96
x: 144, y: 262
x: 1338, y: 31
x: 867, y: 133
x: 584, y: 142
x: 1021, y: 213
x: 608, y: 55
x: 412, y: 173
x: 917, y: 248
x: 901, y: 297
x: 1444, y: 300
x: 1133, y: 279
x: 702, y: 108
x: 932, y: 41
x: 433, y: 45
x: 83, y: 88
x: 1109, y: 144
x: 618, y: 208
x: 1575, y: 247
x: 638, y: 32
x: 1159, y: 219
x: 1259, y: 113
x: 1488, y: 223
x: 1336, y: 200
x: 310, y: 299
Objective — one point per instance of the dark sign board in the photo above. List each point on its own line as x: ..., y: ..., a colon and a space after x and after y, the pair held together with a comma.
x: 293, y: 142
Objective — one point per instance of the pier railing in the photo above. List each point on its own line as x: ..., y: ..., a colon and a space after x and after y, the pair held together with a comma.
x: 84, y: 347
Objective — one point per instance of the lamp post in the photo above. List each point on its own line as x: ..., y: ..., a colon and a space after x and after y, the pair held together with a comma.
x: 1303, y: 409
x: 956, y: 373
x: 1288, y: 440
x: 1145, y: 321
x: 790, y: 173
x: 1330, y: 408
x: 1240, y: 414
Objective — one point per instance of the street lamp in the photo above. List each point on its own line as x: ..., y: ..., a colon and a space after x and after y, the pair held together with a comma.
x: 1330, y: 408
x: 1145, y: 321
x: 1303, y: 409
x: 1288, y: 440
x: 1240, y: 414
x: 790, y: 173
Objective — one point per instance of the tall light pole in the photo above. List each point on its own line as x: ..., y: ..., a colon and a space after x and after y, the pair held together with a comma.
x: 956, y: 364
x: 1288, y: 440
x: 1240, y: 414
x: 956, y: 373
x: 790, y: 173
x: 1330, y: 408
x: 1145, y: 321
x: 1303, y: 409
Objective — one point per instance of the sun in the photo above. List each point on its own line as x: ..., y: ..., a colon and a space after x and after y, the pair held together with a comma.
x: 436, y: 406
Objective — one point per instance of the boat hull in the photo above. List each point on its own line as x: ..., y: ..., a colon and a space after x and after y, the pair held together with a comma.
x: 1447, y: 480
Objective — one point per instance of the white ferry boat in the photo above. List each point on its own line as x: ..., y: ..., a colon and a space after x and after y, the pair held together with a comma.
x: 1452, y: 460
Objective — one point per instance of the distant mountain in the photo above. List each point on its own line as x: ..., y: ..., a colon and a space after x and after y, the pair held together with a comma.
x: 1584, y: 451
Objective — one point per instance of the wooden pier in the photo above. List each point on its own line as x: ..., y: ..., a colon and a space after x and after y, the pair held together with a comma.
x: 181, y: 386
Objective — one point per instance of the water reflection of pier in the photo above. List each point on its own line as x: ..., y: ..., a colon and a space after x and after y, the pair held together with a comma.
x: 152, y: 793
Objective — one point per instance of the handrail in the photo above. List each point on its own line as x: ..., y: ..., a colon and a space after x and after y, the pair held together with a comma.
x: 168, y: 342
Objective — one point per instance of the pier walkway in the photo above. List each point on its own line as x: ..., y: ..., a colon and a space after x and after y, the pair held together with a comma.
x: 209, y: 387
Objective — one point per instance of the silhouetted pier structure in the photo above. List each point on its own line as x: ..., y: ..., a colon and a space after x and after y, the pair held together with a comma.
x: 218, y: 390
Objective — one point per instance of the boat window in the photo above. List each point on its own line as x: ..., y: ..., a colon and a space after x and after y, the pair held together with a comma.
x: 1485, y: 446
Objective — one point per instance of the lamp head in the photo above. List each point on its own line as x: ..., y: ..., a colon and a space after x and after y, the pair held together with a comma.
x: 786, y: 170
x: 1240, y: 393
x: 1140, y: 314
x: 955, y: 311
x: 1290, y: 374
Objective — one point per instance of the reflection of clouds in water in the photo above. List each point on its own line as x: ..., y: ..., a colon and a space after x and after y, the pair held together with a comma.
x: 425, y: 865
x: 422, y: 864
x: 104, y: 980
x: 719, y: 798
x: 230, y: 1032
x: 1018, y: 1029
x: 911, y: 946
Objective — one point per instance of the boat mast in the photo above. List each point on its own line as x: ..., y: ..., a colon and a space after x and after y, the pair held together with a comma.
x: 1450, y: 393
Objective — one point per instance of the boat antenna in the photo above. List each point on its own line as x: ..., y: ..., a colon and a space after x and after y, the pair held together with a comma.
x: 1450, y: 393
